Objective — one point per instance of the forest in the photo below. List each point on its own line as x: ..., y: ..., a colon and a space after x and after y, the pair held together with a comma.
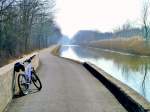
x: 25, y: 26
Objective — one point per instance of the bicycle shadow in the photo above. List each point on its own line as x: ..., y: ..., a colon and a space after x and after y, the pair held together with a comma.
x: 31, y: 91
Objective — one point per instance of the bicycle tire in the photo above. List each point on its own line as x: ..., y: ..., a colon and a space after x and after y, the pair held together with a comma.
x: 36, y: 81
x: 22, y: 82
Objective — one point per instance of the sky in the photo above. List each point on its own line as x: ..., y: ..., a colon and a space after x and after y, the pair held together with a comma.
x: 101, y: 15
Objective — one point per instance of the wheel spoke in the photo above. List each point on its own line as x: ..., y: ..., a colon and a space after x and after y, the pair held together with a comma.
x: 23, y: 86
x: 36, y: 81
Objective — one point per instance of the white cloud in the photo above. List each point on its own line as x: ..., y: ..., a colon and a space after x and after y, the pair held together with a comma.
x: 103, y: 15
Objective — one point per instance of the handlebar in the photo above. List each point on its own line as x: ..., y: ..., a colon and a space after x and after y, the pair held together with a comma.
x: 30, y: 59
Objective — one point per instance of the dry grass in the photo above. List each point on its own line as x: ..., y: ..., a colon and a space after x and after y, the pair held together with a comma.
x: 134, y: 45
x: 55, y: 50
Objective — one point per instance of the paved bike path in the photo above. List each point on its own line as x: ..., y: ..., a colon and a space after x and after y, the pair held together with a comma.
x: 67, y: 87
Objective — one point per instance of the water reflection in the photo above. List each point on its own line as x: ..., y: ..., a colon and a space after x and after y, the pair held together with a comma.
x: 130, y: 69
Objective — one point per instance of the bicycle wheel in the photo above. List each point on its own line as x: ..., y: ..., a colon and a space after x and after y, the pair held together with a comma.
x: 23, y: 85
x: 36, y: 81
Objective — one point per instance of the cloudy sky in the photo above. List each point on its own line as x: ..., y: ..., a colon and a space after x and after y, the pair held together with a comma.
x: 102, y: 15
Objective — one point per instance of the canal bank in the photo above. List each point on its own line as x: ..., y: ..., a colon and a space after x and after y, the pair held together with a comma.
x: 67, y: 87
x: 129, y: 98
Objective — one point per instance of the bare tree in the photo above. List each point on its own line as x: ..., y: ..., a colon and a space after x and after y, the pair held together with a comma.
x: 145, y: 17
x: 4, y: 6
x: 25, y: 25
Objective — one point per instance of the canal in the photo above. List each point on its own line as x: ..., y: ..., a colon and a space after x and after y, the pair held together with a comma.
x: 132, y: 70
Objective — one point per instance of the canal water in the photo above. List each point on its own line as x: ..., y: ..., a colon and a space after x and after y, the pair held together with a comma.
x: 132, y: 70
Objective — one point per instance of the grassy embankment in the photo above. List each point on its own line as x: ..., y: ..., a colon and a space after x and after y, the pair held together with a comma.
x: 55, y: 50
x: 134, y: 45
x: 10, y: 59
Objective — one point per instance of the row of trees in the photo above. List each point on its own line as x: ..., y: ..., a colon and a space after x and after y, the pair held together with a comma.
x: 25, y: 25
x: 128, y: 29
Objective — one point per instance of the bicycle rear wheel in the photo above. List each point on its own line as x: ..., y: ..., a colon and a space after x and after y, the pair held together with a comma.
x: 23, y: 85
x: 36, y: 81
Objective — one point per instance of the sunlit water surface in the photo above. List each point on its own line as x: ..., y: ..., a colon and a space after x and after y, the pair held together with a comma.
x: 132, y: 70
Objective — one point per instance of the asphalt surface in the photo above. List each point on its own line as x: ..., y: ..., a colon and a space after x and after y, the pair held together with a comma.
x: 67, y: 87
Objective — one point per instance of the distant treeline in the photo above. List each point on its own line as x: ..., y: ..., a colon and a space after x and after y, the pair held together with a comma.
x: 26, y: 25
x: 125, y: 33
x: 86, y: 36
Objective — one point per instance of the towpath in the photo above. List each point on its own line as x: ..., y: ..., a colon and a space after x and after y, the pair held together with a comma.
x: 67, y: 87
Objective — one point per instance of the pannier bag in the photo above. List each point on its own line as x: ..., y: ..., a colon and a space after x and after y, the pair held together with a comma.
x: 18, y: 66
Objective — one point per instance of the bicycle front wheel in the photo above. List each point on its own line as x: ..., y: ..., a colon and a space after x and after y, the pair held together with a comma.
x: 36, y: 81
x: 23, y: 85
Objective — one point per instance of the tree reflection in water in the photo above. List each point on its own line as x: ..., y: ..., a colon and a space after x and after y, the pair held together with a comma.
x: 132, y: 70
